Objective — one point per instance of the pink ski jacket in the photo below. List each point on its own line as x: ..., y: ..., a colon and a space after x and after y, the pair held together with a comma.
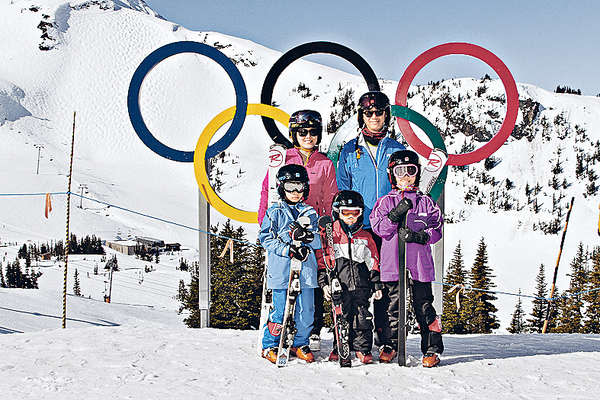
x: 321, y: 176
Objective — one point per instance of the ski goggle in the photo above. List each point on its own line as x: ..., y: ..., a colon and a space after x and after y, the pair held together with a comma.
x: 405, y: 169
x: 373, y: 99
x: 351, y: 211
x: 290, y: 187
x: 314, y: 132
x: 369, y: 113
x: 304, y: 118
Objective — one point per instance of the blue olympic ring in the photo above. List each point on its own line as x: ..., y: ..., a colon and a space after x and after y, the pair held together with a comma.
x: 154, y: 59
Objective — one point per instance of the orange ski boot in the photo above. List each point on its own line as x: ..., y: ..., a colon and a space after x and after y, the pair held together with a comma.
x: 386, y: 354
x: 303, y: 353
x: 270, y: 354
x: 365, y: 358
x: 430, y: 360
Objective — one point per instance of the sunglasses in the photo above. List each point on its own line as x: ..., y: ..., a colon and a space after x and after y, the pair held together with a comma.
x: 290, y: 187
x: 351, y: 211
x: 302, y: 132
x: 405, y: 169
x: 369, y: 113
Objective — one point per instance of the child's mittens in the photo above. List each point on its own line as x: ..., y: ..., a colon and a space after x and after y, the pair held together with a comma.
x: 398, y: 212
x: 300, y: 253
x: 409, y: 236
x: 301, y: 234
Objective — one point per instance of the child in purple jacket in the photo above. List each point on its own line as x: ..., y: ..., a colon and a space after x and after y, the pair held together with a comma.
x: 423, y: 228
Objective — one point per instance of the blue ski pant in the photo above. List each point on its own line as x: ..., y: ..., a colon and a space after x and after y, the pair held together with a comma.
x: 304, y: 315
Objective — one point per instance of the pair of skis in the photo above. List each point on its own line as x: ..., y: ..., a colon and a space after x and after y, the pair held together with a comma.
x: 429, y: 175
x: 288, y: 326
x: 341, y: 328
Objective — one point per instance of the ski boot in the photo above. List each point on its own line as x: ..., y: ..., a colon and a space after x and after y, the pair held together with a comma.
x: 386, y: 354
x: 365, y: 358
x: 270, y: 354
x: 430, y: 360
x: 303, y: 353
x: 333, y: 356
x: 315, y: 342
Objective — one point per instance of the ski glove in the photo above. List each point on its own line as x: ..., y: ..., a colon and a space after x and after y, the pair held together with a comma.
x: 327, y: 292
x: 410, y: 236
x: 400, y: 210
x: 299, y: 252
x: 300, y: 234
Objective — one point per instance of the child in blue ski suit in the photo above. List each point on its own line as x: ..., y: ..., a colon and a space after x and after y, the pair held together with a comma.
x: 278, y: 230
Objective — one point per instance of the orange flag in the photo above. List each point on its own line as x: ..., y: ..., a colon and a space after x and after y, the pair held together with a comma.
x: 48, y: 205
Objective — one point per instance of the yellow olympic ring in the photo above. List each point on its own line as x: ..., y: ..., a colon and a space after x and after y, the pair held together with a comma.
x: 200, y: 158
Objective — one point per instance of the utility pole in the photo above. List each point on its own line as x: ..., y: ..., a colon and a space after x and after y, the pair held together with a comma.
x: 82, y: 186
x: 39, y: 147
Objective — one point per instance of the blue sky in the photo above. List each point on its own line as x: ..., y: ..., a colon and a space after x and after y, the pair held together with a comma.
x: 545, y: 43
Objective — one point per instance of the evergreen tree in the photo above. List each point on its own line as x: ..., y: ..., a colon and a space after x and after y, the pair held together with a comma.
x: 228, y: 308
x: 535, y: 324
x: 251, y: 284
x: 2, y: 280
x: 517, y: 324
x: 188, y: 298
x: 479, y: 310
x: 76, y: 286
x: 592, y: 312
x: 22, y: 251
x: 556, y: 307
x: 453, y: 321
x: 571, y: 319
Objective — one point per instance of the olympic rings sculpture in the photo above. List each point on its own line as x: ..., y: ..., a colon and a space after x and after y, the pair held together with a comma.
x: 270, y: 114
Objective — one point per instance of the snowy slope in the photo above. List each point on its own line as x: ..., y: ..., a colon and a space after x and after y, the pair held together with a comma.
x: 155, y: 363
x: 92, y: 50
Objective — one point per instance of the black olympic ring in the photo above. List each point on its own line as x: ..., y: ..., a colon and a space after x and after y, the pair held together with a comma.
x: 266, y: 95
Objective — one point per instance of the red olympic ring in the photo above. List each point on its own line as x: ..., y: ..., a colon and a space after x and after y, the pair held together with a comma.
x: 510, y: 87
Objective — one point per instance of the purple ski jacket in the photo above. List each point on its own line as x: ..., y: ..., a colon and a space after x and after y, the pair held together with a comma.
x: 425, y: 215
x: 321, y: 176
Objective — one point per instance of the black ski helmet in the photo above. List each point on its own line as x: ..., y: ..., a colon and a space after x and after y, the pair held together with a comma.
x: 347, y: 198
x: 375, y: 99
x: 305, y: 119
x: 403, y: 157
x: 292, y: 173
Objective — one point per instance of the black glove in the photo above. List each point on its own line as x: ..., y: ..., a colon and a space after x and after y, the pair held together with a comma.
x: 400, y: 210
x: 410, y: 236
x: 299, y: 252
x: 301, y: 234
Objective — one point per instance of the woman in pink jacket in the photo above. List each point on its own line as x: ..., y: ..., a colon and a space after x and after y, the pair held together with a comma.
x: 305, y: 129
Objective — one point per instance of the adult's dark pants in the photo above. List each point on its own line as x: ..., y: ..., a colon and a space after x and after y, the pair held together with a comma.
x: 422, y: 303
x: 319, y: 311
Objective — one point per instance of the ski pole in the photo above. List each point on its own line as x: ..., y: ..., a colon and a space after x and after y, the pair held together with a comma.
x: 562, y: 242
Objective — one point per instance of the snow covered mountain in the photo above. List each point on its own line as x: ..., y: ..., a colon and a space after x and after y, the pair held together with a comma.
x: 59, y: 57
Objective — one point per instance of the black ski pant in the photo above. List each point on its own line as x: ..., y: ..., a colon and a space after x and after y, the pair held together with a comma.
x: 319, y: 310
x: 355, y: 310
x: 422, y: 303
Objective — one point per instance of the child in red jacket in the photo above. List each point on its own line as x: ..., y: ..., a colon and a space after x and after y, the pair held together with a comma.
x: 357, y: 268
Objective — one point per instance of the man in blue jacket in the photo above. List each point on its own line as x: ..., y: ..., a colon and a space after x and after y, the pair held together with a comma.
x: 363, y: 164
x: 363, y: 161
